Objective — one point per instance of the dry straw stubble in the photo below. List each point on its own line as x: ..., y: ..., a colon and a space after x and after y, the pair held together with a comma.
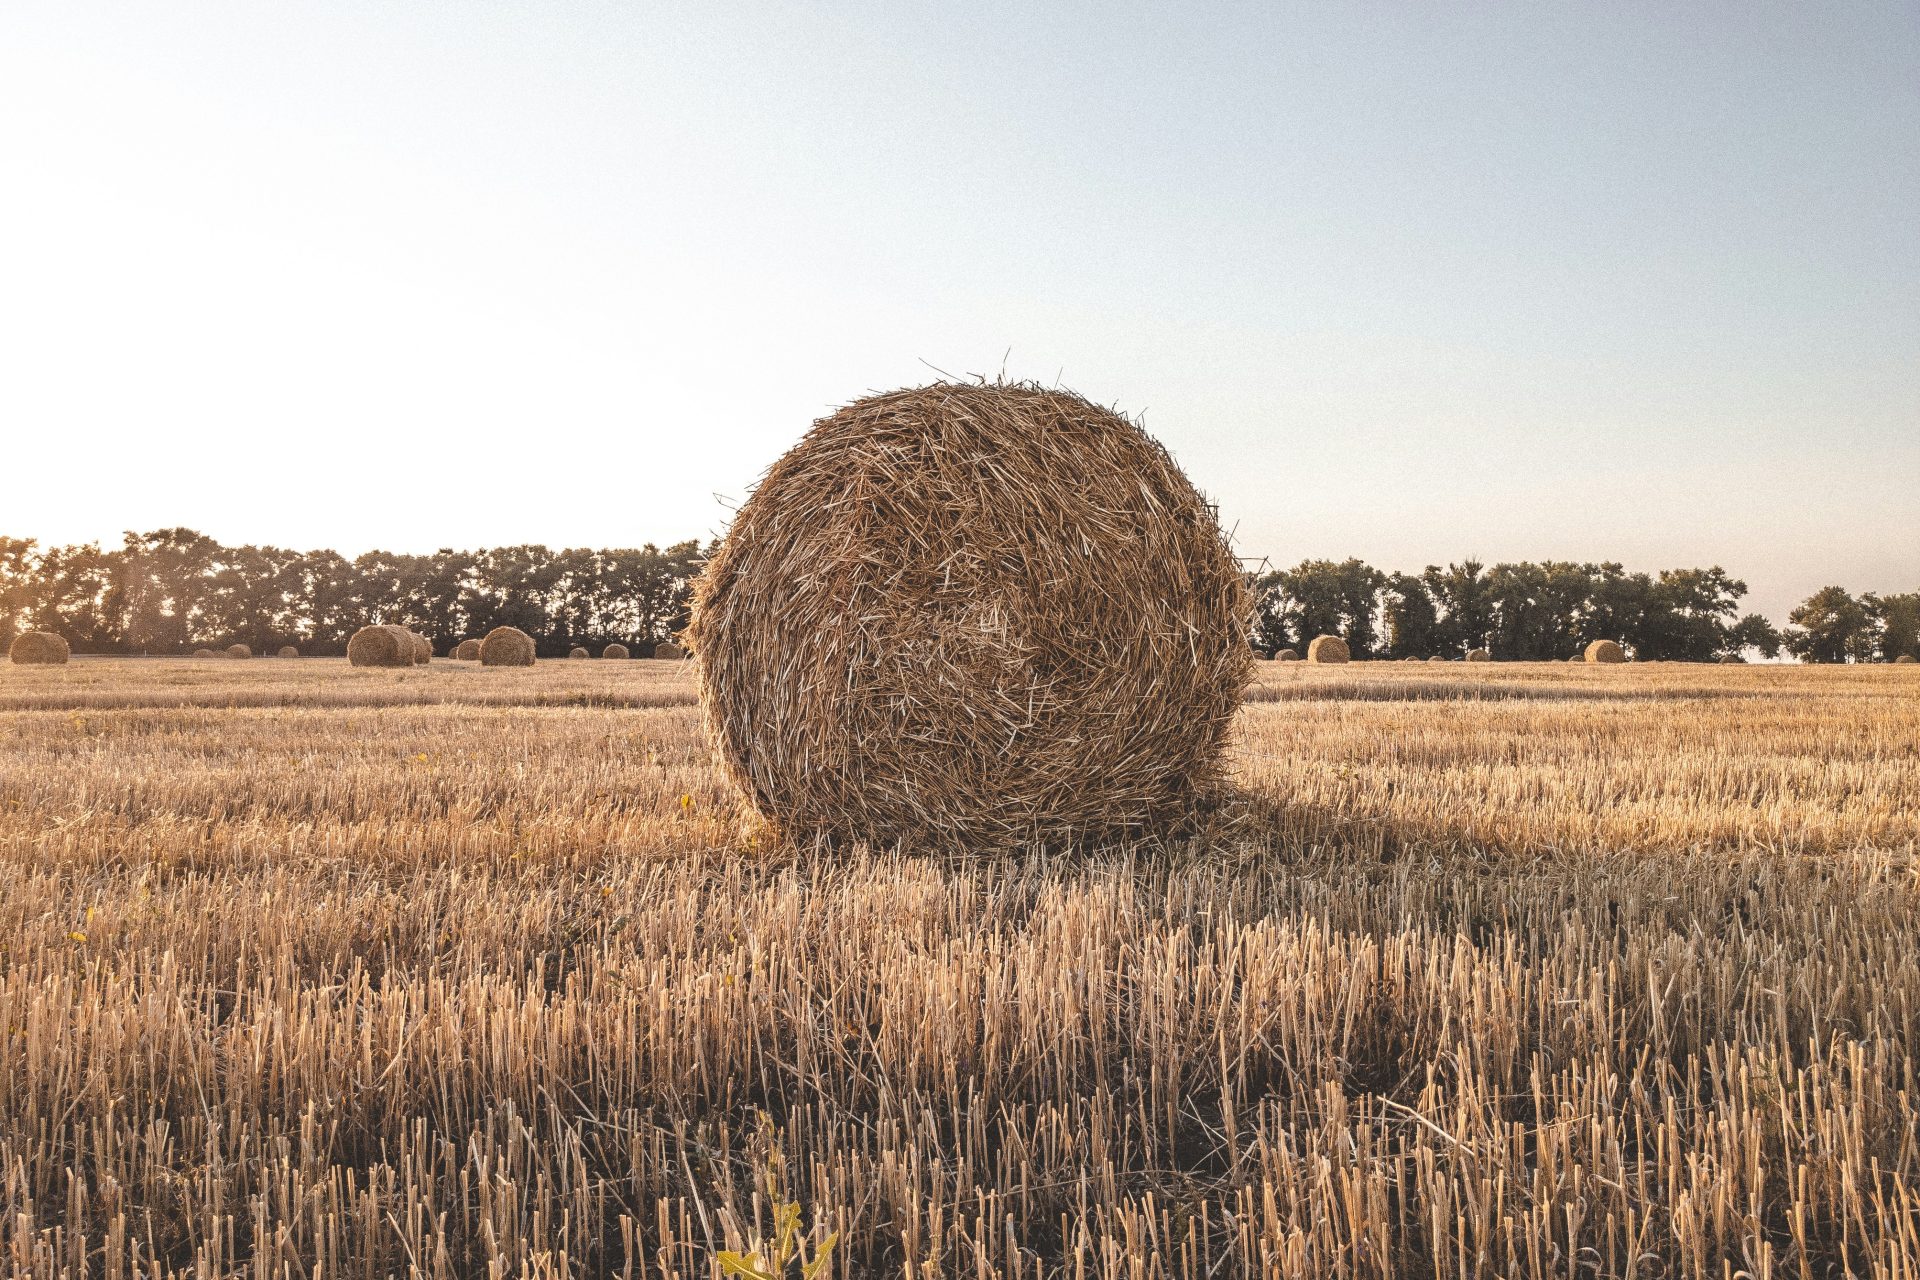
x: 912, y: 634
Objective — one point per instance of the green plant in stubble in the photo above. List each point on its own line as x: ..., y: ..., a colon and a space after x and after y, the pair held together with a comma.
x: 789, y: 1245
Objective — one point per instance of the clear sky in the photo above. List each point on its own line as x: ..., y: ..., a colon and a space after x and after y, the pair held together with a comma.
x: 1408, y: 282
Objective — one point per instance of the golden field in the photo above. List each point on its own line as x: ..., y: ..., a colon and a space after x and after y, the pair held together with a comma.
x: 1491, y: 970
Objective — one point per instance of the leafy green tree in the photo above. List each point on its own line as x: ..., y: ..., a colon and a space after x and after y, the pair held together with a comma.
x: 1831, y: 626
x: 1411, y: 618
x: 1460, y: 594
x: 1322, y: 597
x: 1754, y: 632
x: 1899, y: 619
x: 1689, y: 615
x: 19, y: 586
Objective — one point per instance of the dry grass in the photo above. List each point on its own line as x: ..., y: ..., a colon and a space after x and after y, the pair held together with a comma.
x: 1497, y: 970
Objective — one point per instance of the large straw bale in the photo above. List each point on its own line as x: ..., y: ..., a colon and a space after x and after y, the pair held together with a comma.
x: 1328, y: 649
x: 1606, y: 651
x: 970, y: 616
x: 1286, y: 655
x: 614, y: 651
x: 239, y: 651
x: 288, y: 651
x: 467, y: 651
x: 40, y: 649
x: 381, y: 646
x: 506, y: 647
x: 1479, y: 655
x: 669, y: 650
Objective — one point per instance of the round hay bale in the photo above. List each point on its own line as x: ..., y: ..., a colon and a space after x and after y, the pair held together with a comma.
x: 1732, y: 659
x: 422, y: 648
x: 578, y: 652
x: 1326, y: 649
x: 381, y: 646
x: 39, y: 649
x: 1479, y: 655
x: 1905, y: 659
x: 1286, y: 655
x: 467, y: 651
x: 1409, y: 659
x: 914, y: 632
x: 668, y: 649
x: 205, y: 653
x: 288, y: 651
x: 1606, y: 651
x: 614, y: 651
x: 1437, y: 658
x: 238, y: 651
x: 506, y: 647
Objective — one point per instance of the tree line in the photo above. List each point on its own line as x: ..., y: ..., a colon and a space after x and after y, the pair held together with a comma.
x: 175, y: 590
x: 1554, y: 609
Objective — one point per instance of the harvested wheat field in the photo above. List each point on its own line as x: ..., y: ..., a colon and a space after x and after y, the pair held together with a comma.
x: 1492, y: 969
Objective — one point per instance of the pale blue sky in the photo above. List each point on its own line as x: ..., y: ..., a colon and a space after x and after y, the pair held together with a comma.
x: 1404, y: 282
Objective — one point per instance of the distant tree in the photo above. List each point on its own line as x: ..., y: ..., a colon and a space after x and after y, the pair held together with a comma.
x: 1689, y: 615
x: 1410, y: 618
x: 1753, y: 632
x: 19, y: 586
x: 1322, y: 597
x: 1460, y: 594
x: 1899, y: 619
x: 1831, y: 626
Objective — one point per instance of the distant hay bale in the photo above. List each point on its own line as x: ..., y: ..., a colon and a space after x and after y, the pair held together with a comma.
x: 381, y: 645
x: 1286, y: 655
x: 39, y: 649
x: 1328, y: 649
x: 1479, y: 655
x: 668, y: 649
x: 288, y: 651
x: 422, y: 649
x: 1728, y: 659
x: 239, y: 651
x: 205, y: 653
x: 1437, y: 658
x: 614, y: 651
x: 1409, y: 659
x: 578, y: 652
x: 1905, y: 659
x: 506, y: 647
x: 467, y: 651
x: 1606, y: 651
x: 972, y: 616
